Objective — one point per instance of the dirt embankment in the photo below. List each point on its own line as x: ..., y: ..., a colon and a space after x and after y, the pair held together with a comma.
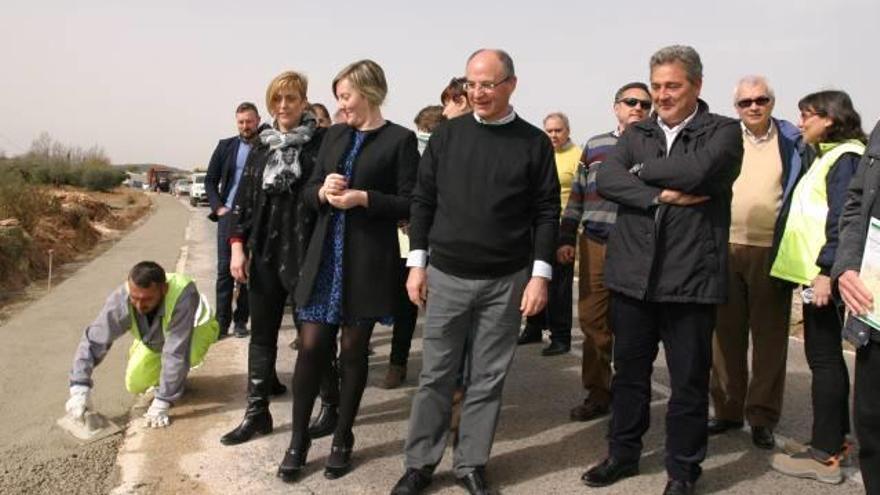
x: 64, y: 225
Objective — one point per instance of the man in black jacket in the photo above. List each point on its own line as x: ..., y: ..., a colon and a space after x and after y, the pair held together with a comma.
x: 221, y: 185
x: 860, y: 209
x: 666, y: 267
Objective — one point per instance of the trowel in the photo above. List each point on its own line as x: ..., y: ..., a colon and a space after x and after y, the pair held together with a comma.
x: 92, y: 427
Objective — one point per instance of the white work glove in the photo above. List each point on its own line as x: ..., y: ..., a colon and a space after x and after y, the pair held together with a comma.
x: 79, y: 401
x: 157, y: 414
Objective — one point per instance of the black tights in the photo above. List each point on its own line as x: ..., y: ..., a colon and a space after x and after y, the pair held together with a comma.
x: 313, y: 360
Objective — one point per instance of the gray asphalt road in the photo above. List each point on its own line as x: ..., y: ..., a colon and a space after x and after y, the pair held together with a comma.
x: 38, y: 345
x: 537, y: 449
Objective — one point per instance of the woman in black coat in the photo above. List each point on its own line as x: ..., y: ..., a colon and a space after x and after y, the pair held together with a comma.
x: 274, y: 225
x: 360, y: 190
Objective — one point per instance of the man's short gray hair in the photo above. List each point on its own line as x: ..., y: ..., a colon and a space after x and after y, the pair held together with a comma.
x: 558, y: 115
x: 680, y: 53
x: 503, y: 56
x: 754, y: 80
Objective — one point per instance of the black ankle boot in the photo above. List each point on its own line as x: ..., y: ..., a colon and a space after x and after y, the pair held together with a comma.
x: 325, y: 423
x: 256, y: 420
x: 339, y: 460
x: 261, y: 366
x: 294, y: 461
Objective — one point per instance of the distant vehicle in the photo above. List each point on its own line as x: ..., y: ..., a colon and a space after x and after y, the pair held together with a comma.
x: 135, y: 184
x: 159, y: 179
x: 197, y: 194
x: 181, y: 187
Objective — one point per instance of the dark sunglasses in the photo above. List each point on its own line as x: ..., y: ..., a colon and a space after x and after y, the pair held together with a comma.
x: 760, y: 101
x: 632, y: 102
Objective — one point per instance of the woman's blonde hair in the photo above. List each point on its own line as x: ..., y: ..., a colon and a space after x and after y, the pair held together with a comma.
x: 367, y: 77
x: 287, y: 80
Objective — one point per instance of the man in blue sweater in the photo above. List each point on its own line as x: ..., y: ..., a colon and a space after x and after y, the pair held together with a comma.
x: 486, y: 206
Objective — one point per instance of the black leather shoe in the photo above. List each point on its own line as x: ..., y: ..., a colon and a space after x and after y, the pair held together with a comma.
x: 257, y: 420
x: 339, y: 460
x: 240, y: 331
x: 762, y: 437
x: 325, y: 423
x: 588, y: 411
x: 677, y: 487
x: 717, y: 426
x: 609, y: 472
x: 294, y: 461
x: 475, y: 482
x: 530, y: 335
x: 556, y: 348
x: 413, y: 482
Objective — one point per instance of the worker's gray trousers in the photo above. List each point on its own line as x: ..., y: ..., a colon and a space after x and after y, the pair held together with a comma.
x: 480, y: 319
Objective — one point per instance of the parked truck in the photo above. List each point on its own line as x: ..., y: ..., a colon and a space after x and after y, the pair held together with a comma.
x: 159, y: 179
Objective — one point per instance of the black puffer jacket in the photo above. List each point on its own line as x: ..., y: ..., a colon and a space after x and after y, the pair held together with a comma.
x: 665, y: 253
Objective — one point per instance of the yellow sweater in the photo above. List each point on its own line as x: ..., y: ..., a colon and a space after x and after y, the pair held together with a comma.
x: 566, y: 167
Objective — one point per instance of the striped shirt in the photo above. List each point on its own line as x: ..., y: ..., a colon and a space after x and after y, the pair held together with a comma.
x: 585, y: 206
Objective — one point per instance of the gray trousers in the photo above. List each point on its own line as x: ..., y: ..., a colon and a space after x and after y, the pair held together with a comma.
x: 479, y: 319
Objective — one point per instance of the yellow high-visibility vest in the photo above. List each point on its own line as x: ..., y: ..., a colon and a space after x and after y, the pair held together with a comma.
x: 144, y: 364
x: 804, y: 233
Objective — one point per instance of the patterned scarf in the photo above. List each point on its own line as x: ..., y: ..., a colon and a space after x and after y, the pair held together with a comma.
x: 283, y: 168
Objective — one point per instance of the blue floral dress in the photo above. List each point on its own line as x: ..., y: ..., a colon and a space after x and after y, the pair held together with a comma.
x: 325, y: 303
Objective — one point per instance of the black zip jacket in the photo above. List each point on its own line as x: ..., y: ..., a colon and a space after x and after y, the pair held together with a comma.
x: 665, y: 253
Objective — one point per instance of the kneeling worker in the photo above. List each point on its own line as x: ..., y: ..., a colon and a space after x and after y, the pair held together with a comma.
x: 172, y: 327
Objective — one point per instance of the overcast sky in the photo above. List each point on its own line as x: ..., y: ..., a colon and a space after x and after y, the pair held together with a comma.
x: 158, y: 81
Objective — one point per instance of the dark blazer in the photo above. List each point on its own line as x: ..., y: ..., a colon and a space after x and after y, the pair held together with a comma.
x: 666, y: 253
x: 221, y: 171
x: 856, y: 214
x: 854, y: 222
x: 386, y: 169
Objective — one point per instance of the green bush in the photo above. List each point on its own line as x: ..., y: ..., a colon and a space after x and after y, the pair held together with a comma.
x: 100, y: 178
x: 23, y: 201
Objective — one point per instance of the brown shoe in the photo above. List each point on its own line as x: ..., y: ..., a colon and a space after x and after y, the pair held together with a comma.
x: 588, y: 411
x: 394, y: 377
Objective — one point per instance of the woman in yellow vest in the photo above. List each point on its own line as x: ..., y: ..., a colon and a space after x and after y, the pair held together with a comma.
x: 833, y: 129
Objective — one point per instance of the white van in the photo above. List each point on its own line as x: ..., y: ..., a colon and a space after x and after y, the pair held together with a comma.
x: 197, y: 194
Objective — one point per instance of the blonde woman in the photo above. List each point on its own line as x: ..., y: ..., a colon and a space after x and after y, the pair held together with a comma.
x: 272, y: 226
x: 360, y: 191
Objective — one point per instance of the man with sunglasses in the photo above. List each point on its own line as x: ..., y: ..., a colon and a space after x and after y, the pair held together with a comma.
x: 672, y: 177
x: 486, y: 207
x: 632, y: 102
x: 756, y: 301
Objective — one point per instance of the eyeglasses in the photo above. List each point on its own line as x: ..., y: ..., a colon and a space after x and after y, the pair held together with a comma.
x: 632, y: 102
x: 809, y: 114
x: 760, y: 101
x: 485, y: 86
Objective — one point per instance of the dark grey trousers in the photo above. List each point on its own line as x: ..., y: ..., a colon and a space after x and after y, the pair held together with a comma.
x: 479, y: 319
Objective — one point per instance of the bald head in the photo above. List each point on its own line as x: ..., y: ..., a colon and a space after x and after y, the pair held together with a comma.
x: 490, y: 82
x: 502, y: 57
